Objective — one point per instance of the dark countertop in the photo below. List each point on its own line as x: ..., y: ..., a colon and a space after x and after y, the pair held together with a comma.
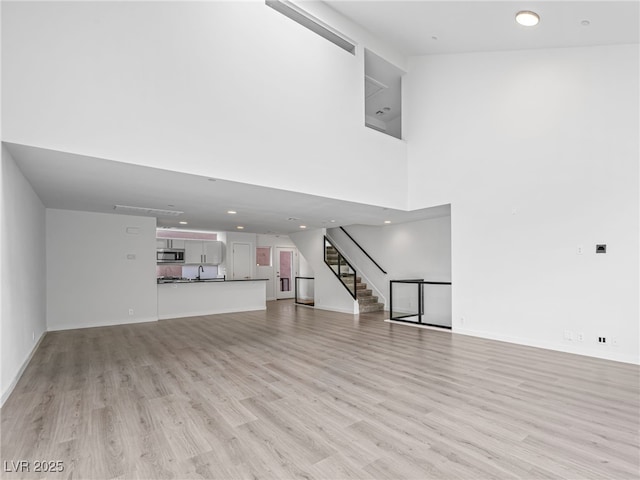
x: 212, y: 280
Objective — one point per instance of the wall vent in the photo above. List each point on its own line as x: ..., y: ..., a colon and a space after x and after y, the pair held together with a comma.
x: 154, y: 212
x: 307, y: 20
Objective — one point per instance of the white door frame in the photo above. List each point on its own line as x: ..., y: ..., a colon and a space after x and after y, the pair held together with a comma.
x: 233, y: 272
x: 294, y: 272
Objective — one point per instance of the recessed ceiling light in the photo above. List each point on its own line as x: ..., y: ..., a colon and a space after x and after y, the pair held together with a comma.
x: 303, y: 226
x: 527, y: 18
x: 387, y: 221
x: 240, y: 227
x: 171, y: 206
x: 333, y: 221
x: 231, y: 212
x: 434, y: 37
x: 211, y: 179
x: 183, y: 223
x: 585, y: 23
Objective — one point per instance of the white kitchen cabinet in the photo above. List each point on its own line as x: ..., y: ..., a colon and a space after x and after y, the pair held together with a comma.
x: 193, y: 251
x: 212, y: 252
x: 169, y: 243
x: 203, y: 252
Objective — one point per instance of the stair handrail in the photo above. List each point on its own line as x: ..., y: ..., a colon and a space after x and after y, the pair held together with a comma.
x: 337, y: 274
x: 363, y: 250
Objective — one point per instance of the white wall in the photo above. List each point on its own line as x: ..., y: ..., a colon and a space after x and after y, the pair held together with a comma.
x: 234, y: 90
x: 537, y: 151
x: 91, y: 281
x: 330, y: 294
x: 411, y: 250
x: 23, y: 288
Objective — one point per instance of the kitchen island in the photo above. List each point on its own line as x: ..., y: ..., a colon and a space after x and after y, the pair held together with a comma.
x: 196, y: 298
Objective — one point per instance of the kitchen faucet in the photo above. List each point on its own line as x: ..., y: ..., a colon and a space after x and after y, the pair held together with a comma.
x: 200, y: 268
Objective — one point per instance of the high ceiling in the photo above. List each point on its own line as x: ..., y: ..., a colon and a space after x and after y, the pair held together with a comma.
x: 480, y: 26
x: 76, y: 182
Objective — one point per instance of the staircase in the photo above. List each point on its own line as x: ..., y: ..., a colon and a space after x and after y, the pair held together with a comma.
x: 367, y: 302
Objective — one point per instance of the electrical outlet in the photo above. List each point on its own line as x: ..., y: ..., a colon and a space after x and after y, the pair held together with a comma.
x: 568, y: 335
x: 131, y: 311
x: 602, y: 340
x: 580, y: 337
x: 580, y: 250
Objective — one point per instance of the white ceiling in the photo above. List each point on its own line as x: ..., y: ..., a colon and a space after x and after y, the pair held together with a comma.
x: 479, y: 26
x: 75, y: 182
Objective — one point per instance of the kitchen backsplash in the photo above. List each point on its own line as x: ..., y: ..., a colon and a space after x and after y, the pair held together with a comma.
x: 186, y: 271
x: 169, y: 271
x: 191, y: 271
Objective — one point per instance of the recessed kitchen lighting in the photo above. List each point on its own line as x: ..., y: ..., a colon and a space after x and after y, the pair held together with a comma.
x: 183, y: 223
x: 527, y: 18
x: 303, y: 226
x: 231, y: 212
x: 240, y: 227
x: 333, y: 221
x: 434, y: 37
x: 387, y: 221
x: 171, y: 206
x: 585, y: 23
x: 211, y: 179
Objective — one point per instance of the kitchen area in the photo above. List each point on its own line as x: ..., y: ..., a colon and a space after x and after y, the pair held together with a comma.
x: 191, y: 274
x: 110, y: 269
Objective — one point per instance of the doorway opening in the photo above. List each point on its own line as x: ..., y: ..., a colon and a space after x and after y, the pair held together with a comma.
x: 286, y: 271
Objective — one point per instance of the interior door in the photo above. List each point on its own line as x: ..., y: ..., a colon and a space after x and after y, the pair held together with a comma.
x: 286, y: 271
x: 241, y: 261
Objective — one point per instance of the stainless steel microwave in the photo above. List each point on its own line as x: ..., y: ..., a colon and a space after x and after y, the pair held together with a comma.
x: 170, y: 255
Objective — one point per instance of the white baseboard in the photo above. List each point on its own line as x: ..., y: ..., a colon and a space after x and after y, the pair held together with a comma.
x: 417, y: 325
x: 334, y: 309
x: 15, y: 380
x: 303, y: 305
x: 606, y: 353
x: 108, y: 323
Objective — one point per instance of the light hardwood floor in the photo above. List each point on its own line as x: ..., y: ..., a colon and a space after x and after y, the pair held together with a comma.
x: 302, y: 393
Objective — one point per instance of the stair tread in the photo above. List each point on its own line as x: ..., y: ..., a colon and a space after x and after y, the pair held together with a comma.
x: 371, y: 307
x: 369, y: 299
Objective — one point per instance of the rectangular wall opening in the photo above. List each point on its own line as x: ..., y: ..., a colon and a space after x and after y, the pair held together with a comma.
x: 383, y: 95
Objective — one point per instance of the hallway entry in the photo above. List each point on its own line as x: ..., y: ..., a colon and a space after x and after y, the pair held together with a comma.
x: 286, y: 271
